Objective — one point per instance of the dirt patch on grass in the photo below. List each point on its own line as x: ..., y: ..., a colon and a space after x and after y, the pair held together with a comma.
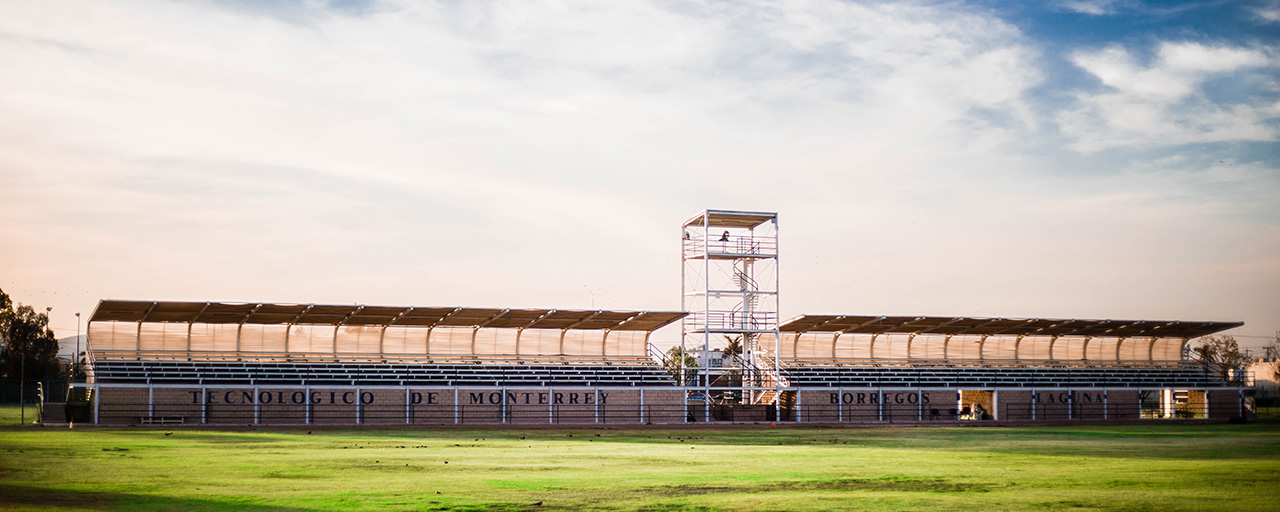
x: 890, y: 484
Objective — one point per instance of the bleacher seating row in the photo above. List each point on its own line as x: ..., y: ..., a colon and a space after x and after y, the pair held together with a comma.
x: 635, y: 373
x: 305, y: 373
x: 1188, y: 375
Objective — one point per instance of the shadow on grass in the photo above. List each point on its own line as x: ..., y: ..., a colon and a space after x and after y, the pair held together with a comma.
x: 14, y: 496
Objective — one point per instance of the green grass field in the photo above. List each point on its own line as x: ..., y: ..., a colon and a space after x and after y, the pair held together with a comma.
x: 1131, y: 467
x: 11, y: 415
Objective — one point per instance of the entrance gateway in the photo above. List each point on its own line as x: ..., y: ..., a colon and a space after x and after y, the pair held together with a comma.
x: 223, y: 363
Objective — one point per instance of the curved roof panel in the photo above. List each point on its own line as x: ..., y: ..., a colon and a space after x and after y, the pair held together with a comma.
x: 356, y: 314
x: 862, y: 324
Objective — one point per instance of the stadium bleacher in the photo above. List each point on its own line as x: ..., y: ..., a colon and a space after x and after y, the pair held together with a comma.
x: 633, y: 373
x: 231, y: 363
x: 1176, y: 374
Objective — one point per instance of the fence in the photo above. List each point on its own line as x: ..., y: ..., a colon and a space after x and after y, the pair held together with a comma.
x: 55, y: 390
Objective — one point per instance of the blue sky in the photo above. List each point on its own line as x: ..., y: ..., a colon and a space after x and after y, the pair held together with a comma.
x: 1087, y: 159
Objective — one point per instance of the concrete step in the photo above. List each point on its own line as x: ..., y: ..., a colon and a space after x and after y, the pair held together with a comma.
x: 54, y: 413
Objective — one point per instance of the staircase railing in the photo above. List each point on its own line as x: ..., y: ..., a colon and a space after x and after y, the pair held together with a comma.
x: 1228, y: 375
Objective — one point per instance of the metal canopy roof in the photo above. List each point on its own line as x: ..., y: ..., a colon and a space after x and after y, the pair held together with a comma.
x: 731, y: 219
x: 236, y: 313
x: 1002, y: 326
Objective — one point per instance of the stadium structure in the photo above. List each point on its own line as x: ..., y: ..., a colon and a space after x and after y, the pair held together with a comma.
x: 219, y: 363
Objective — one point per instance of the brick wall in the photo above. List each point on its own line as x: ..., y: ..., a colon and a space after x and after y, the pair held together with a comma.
x: 1090, y: 404
x: 901, y: 405
x: 122, y: 406
x: 1014, y: 405
x: 1052, y: 404
x: 1224, y: 404
x: 1123, y: 404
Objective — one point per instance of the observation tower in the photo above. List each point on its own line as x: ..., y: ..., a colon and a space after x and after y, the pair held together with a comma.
x: 729, y: 286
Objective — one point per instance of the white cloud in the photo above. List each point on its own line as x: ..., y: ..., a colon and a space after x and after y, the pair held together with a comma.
x: 1268, y: 13
x: 1164, y: 103
x: 541, y: 154
x: 1094, y: 7
x: 491, y: 139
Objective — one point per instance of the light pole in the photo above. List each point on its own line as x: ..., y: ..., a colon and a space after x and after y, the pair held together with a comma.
x: 77, y: 354
x: 47, y: 313
x: 22, y: 390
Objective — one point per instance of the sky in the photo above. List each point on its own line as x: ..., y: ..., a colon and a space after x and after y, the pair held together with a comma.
x: 1072, y: 159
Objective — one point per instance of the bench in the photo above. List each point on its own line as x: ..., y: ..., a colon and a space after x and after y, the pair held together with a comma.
x: 162, y: 420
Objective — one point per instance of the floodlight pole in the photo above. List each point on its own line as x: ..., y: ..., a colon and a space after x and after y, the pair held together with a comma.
x: 76, y: 358
x: 47, y: 313
x: 22, y: 390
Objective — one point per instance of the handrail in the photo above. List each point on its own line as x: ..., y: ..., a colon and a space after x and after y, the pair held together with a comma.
x: 1230, y: 375
x: 735, y: 244
x: 767, y: 371
x: 657, y: 355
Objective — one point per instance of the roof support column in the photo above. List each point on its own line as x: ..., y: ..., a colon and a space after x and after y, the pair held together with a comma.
x: 382, y: 335
x: 334, y: 355
x: 141, y: 319
x: 289, y: 328
x: 339, y: 326
x: 1084, y: 353
x: 190, y: 323
x: 1119, y: 343
x: 1151, y: 349
x: 871, y: 349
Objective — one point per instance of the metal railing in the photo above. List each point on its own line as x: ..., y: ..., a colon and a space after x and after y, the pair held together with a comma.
x: 731, y: 320
x: 731, y: 245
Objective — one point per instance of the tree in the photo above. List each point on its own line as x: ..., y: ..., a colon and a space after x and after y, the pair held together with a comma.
x: 6, y: 315
x: 733, y: 350
x: 29, y: 350
x: 1221, y: 353
x: 672, y: 363
x: 733, y: 347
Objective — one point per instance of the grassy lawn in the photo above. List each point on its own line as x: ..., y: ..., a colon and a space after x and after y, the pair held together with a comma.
x: 1146, y: 467
x: 11, y: 415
